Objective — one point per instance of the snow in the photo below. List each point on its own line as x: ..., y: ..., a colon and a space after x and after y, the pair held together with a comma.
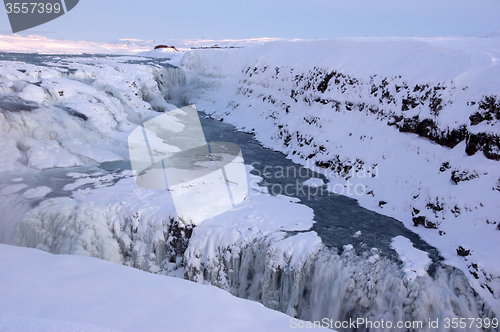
x: 65, y: 119
x: 67, y: 293
x: 416, y: 262
x: 99, y: 223
x: 314, y: 182
x: 19, y: 323
x: 44, y: 45
x: 95, y: 179
x: 40, y: 44
x: 271, y: 90
x: 37, y: 192
x: 85, y: 116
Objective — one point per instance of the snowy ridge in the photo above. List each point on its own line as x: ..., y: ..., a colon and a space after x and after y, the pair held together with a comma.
x: 297, y: 275
x: 263, y: 250
x: 80, y: 110
x: 346, y: 105
x: 44, y: 292
x: 72, y: 112
x: 44, y: 45
x: 40, y: 44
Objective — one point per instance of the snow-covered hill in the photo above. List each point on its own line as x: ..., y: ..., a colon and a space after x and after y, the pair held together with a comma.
x: 44, y: 292
x: 422, y: 113
x: 410, y: 124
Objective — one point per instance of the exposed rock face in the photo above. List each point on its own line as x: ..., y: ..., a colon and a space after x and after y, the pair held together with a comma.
x: 170, y: 48
x: 426, y: 133
x: 412, y: 109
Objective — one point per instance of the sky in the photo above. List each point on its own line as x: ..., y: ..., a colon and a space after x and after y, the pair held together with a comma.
x: 110, y: 20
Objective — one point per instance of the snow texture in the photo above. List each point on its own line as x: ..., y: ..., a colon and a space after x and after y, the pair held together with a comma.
x: 411, y: 122
x: 416, y: 262
x: 314, y: 182
x: 77, y: 111
x: 405, y: 109
x: 19, y: 323
x: 47, y: 292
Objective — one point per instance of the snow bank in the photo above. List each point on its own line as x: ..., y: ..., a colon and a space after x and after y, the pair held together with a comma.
x: 76, y: 111
x: 314, y: 182
x: 19, y: 323
x: 412, y: 123
x: 416, y: 262
x: 72, y: 293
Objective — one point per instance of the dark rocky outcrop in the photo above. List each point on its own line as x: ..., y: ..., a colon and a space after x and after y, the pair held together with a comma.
x: 173, y: 48
x: 392, y: 93
x: 422, y: 221
x: 462, y: 175
x: 461, y: 251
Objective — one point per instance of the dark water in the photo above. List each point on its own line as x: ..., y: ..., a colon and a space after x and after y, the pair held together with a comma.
x: 337, y: 217
x: 64, y: 61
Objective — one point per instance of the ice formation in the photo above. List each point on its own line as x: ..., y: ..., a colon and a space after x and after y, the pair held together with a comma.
x: 317, y: 106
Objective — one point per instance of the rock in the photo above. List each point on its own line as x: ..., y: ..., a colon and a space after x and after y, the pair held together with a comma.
x: 459, y: 176
x: 173, y: 48
x: 461, y: 251
x: 422, y: 221
x: 444, y: 167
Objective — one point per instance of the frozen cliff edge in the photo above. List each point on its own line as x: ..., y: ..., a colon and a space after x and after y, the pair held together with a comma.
x: 424, y: 111
x: 268, y: 255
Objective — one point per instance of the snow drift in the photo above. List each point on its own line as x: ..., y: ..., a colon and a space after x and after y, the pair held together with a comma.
x: 425, y: 112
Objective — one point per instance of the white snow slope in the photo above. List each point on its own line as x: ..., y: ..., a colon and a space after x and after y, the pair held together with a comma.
x: 338, y: 104
x: 79, y: 111
x: 45, y: 292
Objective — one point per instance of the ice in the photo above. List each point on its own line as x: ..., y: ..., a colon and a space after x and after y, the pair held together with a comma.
x: 134, y: 226
x: 37, y: 192
x: 263, y: 249
x: 280, y: 92
x: 52, y: 117
x: 297, y: 275
x: 13, y: 189
x: 314, y: 182
x: 47, y: 292
x: 78, y: 118
x: 416, y: 262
